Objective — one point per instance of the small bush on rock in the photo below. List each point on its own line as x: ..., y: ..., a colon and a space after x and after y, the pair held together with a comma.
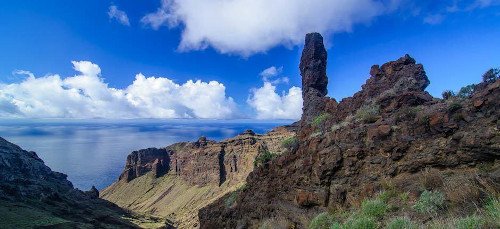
x: 466, y: 92
x: 264, y: 158
x: 455, y: 106
x: 492, y: 208
x: 430, y: 202
x: 368, y: 113
x: 491, y: 75
x: 290, y: 143
x: 323, y: 221
x: 448, y: 94
x: 470, y: 222
x: 361, y: 222
x: 374, y: 208
x: 320, y: 119
x: 401, y: 223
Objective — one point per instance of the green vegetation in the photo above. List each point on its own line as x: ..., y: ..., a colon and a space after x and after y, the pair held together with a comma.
x: 391, y: 209
x: 368, y: 113
x: 374, y: 208
x: 466, y: 92
x: 492, y: 209
x: 448, y: 94
x: 264, y: 158
x: 322, y: 221
x: 454, y: 106
x: 231, y: 199
x: 21, y: 216
x: 471, y: 222
x: 290, y: 143
x: 491, y: 75
x: 360, y: 222
x: 320, y: 119
x: 401, y: 223
x: 430, y: 202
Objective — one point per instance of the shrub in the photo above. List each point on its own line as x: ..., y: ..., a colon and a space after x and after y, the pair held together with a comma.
x: 404, y: 196
x: 387, y: 195
x: 466, y: 92
x: 368, y: 113
x: 361, y: 222
x: 320, y: 119
x: 491, y: 75
x: 431, y: 179
x: 429, y: 202
x: 290, y: 143
x: 264, y: 158
x: 401, y: 223
x: 455, y: 106
x: 374, y: 208
x: 322, y: 221
x: 448, y: 94
x: 492, y: 208
x: 231, y: 199
x: 470, y: 222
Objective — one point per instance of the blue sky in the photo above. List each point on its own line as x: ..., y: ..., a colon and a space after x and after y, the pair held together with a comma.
x: 230, y: 44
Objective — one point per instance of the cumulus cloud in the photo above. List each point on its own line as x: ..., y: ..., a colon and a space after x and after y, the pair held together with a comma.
x: 269, y: 73
x: 118, y: 15
x: 268, y: 104
x: 246, y: 27
x: 86, y: 95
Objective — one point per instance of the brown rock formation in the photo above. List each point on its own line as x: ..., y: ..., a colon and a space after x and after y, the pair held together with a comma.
x: 389, y: 132
x: 314, y: 79
x: 197, y: 174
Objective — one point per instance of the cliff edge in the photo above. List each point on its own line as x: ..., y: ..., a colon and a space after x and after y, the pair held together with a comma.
x: 392, y: 137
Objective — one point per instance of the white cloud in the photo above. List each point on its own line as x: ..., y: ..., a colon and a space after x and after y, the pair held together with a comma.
x: 434, y: 19
x: 161, y: 17
x: 246, y: 27
x: 86, y: 96
x: 268, y: 104
x: 118, y: 15
x: 269, y: 73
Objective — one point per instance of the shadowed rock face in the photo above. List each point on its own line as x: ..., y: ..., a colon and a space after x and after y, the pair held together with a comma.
x: 32, y: 195
x: 314, y: 79
x: 390, y: 131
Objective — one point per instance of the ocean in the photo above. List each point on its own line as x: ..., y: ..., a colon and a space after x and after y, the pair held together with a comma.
x: 93, y: 152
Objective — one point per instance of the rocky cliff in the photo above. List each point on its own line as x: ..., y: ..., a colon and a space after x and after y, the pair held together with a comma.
x: 391, y: 135
x: 34, y: 196
x: 178, y: 180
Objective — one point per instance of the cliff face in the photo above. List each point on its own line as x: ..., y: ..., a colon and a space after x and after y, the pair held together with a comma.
x: 391, y: 132
x: 178, y: 180
x: 32, y: 195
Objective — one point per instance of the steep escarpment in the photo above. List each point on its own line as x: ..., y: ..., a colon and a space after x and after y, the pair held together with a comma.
x: 392, y: 135
x: 176, y: 181
x: 34, y: 196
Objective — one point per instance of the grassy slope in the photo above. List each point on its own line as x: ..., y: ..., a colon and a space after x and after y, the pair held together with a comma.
x: 165, y: 196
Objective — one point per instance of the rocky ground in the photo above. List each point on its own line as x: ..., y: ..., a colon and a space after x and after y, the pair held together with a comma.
x: 176, y: 181
x: 34, y: 196
x: 390, y: 141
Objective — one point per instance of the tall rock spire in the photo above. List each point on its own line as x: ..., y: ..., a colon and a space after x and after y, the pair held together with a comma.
x: 314, y: 79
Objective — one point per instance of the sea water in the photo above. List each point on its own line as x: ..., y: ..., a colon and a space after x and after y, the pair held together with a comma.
x: 94, y: 152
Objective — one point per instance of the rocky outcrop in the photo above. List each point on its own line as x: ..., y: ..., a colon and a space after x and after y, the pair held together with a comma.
x: 146, y: 160
x: 34, y: 196
x: 314, y: 79
x: 197, y: 174
x: 391, y: 132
